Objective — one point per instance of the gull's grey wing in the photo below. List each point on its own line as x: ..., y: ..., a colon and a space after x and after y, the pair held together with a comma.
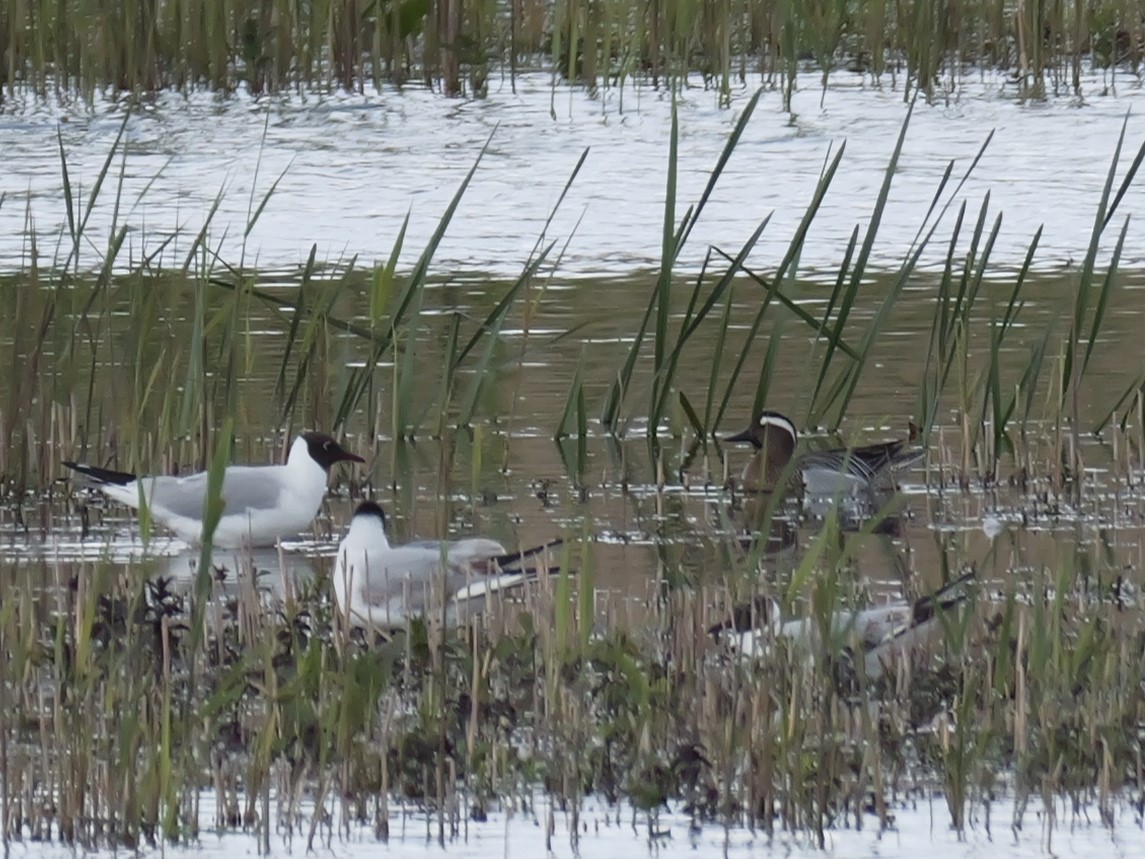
x: 400, y: 568
x: 244, y: 488
x: 472, y: 550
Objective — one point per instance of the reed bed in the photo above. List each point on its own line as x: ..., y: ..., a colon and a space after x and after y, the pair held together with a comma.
x: 276, y: 706
x: 304, y: 729
x: 77, y: 49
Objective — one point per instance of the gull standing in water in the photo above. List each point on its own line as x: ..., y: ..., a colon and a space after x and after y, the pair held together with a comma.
x: 876, y: 634
x: 384, y: 586
x: 262, y: 503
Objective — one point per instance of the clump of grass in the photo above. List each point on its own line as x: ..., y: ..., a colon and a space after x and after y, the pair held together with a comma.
x: 270, y: 702
x: 268, y: 47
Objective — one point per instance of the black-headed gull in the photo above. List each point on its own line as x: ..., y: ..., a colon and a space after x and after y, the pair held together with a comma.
x: 877, y: 633
x: 262, y: 503
x: 383, y: 586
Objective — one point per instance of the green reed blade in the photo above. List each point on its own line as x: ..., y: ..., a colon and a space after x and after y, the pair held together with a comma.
x: 849, y: 292
x: 968, y: 288
x: 994, y: 388
x: 1103, y: 297
x: 946, y: 174
x: 721, y: 163
x: 196, y: 362
x: 482, y: 377
x: 666, y: 376
x: 838, y: 293
x: 295, y: 321
x: 69, y: 202
x: 821, y: 326
x: 881, y: 200
x: 784, y: 266
x: 1129, y: 176
x: 770, y: 361
x: 697, y: 288
x: 359, y: 378
x: 275, y: 304
x: 1085, y: 282
x: 575, y: 392
x: 581, y: 430
x: 670, y: 251
x: 560, y: 199
x: 200, y: 237
x: 797, y: 240
x: 1136, y: 388
x: 941, y: 352
x: 77, y: 231
x: 663, y: 289
x: 1014, y: 307
x: 403, y: 419
x: 1030, y: 376
x: 691, y: 415
x: 315, y: 332
x: 384, y: 277
x: 716, y: 364
x: 445, y: 394
x: 901, y: 278
x: 496, y: 317
x: 213, y: 506
x: 946, y: 317
x: 252, y: 218
x: 722, y: 285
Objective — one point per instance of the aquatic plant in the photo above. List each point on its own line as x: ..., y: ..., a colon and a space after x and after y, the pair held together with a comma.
x: 73, y: 49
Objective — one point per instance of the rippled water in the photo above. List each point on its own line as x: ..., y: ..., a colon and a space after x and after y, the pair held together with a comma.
x: 354, y: 166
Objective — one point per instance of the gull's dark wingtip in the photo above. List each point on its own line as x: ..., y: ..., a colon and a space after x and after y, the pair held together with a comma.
x: 513, y: 558
x: 100, y: 475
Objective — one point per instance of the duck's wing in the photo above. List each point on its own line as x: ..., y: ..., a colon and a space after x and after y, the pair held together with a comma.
x: 865, y: 463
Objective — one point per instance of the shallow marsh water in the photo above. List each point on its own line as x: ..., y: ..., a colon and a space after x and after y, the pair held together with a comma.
x: 358, y: 164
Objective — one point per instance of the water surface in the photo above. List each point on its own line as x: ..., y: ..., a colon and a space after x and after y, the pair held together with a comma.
x: 353, y: 167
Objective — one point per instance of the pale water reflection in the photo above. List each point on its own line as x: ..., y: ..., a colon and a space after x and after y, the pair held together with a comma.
x: 353, y: 167
x: 919, y: 827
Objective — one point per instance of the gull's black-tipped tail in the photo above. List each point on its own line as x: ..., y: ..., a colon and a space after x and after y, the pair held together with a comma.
x: 946, y: 597
x: 504, y: 583
x: 745, y: 617
x: 101, y: 475
x: 515, y: 559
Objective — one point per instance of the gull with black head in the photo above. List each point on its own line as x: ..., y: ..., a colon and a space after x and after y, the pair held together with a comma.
x: 876, y: 634
x: 384, y: 586
x: 262, y: 503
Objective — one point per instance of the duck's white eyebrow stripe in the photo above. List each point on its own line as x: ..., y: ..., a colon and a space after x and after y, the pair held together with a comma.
x: 777, y: 421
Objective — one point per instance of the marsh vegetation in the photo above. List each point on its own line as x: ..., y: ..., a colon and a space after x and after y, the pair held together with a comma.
x: 77, y: 48
x: 130, y: 692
